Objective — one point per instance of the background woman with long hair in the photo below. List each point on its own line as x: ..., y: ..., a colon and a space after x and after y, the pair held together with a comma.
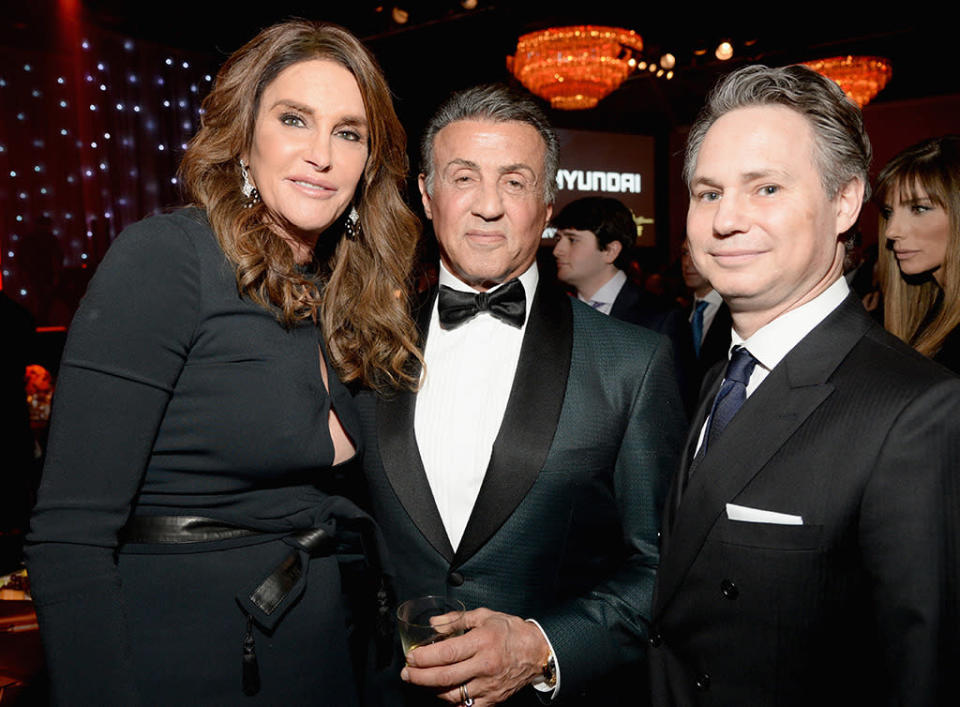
x: 919, y: 196
x: 191, y: 533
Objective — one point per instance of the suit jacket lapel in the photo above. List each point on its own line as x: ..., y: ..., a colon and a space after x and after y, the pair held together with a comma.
x: 792, y: 391
x: 689, y: 452
x: 530, y: 420
x: 626, y: 298
x: 401, y: 456
x: 717, y: 339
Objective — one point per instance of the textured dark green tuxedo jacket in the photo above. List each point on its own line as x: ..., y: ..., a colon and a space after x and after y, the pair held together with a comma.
x: 565, y: 527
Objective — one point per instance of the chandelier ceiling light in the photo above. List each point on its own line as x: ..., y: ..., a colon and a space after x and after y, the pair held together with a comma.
x: 575, y: 67
x: 860, y: 77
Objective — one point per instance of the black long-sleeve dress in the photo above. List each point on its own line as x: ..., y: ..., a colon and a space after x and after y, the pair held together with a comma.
x: 177, y: 396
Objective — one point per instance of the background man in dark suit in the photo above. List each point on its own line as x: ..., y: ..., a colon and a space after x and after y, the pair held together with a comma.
x: 595, y: 236
x: 526, y: 476
x: 709, y: 322
x: 805, y: 546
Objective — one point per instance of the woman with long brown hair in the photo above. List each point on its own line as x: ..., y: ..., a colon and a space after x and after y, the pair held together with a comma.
x: 919, y: 196
x: 192, y: 542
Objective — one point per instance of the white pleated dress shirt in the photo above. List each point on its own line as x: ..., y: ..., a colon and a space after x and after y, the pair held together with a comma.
x: 460, y: 406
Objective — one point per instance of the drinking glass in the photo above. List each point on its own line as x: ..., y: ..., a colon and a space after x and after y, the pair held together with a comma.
x: 420, y: 623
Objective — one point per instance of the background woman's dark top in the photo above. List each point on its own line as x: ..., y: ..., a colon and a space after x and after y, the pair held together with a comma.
x: 177, y: 396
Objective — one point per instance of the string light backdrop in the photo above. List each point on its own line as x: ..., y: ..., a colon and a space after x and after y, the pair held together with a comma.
x: 90, y: 138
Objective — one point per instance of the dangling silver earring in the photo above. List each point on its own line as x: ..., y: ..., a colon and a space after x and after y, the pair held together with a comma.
x: 249, y: 191
x: 352, y: 226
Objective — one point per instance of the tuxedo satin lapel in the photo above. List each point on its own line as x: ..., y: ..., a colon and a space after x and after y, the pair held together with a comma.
x: 530, y: 420
x: 401, y: 456
x: 792, y: 391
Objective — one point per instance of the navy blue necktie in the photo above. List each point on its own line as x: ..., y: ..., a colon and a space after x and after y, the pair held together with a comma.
x: 732, y: 394
x: 730, y: 398
x: 696, y: 325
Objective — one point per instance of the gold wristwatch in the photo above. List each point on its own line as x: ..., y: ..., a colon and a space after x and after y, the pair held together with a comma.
x: 549, y: 671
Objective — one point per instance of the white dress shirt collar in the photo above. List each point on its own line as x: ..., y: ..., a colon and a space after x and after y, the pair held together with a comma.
x: 772, y: 342
x: 713, y: 300
x: 712, y: 297
x: 607, y: 294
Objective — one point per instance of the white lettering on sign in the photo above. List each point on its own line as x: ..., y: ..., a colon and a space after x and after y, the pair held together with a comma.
x: 614, y: 182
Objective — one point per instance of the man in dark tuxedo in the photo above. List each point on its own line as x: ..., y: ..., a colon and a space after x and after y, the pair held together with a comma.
x: 594, y: 238
x: 525, y: 477
x: 806, y: 541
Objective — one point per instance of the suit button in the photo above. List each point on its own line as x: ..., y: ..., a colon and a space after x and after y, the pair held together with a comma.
x: 454, y: 579
x: 703, y: 683
x: 655, y: 639
x: 729, y: 589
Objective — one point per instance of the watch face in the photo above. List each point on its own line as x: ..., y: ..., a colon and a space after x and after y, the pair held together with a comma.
x: 550, y: 671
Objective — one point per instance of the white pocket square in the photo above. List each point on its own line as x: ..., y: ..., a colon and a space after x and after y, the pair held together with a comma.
x: 758, y: 515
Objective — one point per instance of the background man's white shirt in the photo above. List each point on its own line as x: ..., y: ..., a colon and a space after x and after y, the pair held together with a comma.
x: 607, y: 294
x: 713, y: 300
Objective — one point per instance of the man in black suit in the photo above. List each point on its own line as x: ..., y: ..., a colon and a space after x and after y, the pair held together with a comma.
x: 809, y: 547
x: 525, y: 477
x: 709, y: 322
x: 594, y: 238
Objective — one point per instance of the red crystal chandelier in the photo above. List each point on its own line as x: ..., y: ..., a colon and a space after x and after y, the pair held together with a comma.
x: 575, y: 67
x: 860, y: 77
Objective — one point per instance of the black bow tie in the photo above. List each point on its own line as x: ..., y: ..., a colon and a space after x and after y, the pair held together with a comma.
x: 508, y: 303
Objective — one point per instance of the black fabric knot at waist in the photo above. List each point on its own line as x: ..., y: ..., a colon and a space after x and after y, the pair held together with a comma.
x: 338, y: 527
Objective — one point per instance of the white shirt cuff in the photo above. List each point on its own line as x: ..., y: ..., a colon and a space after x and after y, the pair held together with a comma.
x: 541, y: 683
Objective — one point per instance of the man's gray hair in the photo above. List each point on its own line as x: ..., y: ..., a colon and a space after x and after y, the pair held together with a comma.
x: 496, y: 103
x: 841, y: 146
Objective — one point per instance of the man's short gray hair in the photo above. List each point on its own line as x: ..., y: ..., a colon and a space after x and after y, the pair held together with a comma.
x: 841, y: 146
x: 496, y: 103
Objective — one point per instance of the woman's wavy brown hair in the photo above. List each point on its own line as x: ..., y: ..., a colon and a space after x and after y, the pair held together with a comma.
x: 360, y: 299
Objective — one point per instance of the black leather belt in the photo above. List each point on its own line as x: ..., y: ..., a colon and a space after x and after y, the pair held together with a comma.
x: 149, y: 530
x: 267, y: 600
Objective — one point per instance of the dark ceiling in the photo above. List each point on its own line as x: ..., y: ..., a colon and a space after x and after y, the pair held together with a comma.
x: 444, y: 46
